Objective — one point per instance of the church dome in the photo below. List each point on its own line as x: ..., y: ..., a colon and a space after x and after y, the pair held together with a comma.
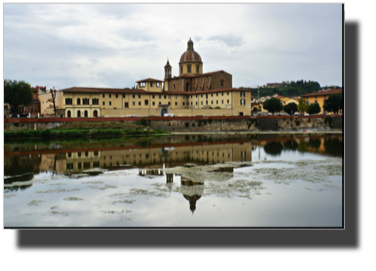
x: 190, y: 55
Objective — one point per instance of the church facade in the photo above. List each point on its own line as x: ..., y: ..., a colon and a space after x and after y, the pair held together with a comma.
x: 192, y: 93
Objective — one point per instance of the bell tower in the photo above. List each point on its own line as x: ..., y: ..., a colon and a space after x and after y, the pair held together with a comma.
x: 167, y: 69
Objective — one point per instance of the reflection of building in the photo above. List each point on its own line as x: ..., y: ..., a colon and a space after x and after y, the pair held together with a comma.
x: 192, y: 191
x: 155, y: 157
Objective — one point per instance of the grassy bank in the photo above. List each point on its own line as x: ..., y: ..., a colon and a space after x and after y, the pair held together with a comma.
x: 74, y: 133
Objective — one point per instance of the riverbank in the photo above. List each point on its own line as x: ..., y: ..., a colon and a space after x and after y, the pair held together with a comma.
x: 75, y: 133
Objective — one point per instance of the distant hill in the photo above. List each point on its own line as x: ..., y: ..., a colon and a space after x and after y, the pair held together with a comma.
x: 290, y: 89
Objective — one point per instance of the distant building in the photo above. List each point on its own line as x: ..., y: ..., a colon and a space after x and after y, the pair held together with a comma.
x: 320, y: 97
x: 274, y: 85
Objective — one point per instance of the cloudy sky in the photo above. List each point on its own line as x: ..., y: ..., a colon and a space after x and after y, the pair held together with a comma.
x: 114, y: 45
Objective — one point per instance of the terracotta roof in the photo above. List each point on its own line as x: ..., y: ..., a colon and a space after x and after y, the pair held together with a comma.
x: 324, y: 93
x: 190, y: 56
x: 198, y: 75
x: 102, y: 90
x: 140, y: 91
x: 149, y: 80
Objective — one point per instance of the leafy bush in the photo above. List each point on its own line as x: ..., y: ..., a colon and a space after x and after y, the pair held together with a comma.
x: 144, y: 122
x: 210, y: 121
x: 329, y: 121
x: 297, y: 122
x: 193, y: 124
x: 186, y: 124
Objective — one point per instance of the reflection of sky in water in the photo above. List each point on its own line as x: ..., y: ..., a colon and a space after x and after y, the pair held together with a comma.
x: 125, y: 199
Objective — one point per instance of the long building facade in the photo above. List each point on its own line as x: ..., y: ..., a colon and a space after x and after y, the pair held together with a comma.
x: 192, y: 93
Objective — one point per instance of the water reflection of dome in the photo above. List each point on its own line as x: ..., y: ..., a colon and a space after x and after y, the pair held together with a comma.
x: 192, y: 191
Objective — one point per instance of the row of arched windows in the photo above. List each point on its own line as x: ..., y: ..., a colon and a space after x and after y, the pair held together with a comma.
x: 85, y: 115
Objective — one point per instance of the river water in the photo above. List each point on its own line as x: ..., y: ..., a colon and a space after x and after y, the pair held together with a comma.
x: 175, y: 181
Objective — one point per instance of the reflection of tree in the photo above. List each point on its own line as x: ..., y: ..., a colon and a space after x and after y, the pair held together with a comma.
x: 302, y: 147
x: 273, y: 148
x: 290, y: 145
x: 315, y: 143
x: 17, y: 166
x: 333, y: 146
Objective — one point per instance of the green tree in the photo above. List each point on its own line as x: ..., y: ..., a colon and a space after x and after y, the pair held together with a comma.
x: 290, y: 108
x: 314, y: 108
x: 273, y: 105
x: 334, y: 103
x: 17, y: 93
x: 303, y: 107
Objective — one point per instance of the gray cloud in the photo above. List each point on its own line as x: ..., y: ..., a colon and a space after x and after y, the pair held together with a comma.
x: 229, y: 40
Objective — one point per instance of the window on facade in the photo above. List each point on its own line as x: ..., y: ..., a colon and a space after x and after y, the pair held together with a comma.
x: 109, y: 95
x: 102, y: 95
x: 68, y: 101
x: 139, y: 96
x: 211, y: 102
x: 189, y: 68
x: 160, y: 103
x: 242, y: 101
x: 228, y: 93
x: 109, y: 103
x: 217, y: 94
x: 176, y: 103
x: 151, y: 84
x: 123, y: 95
x: 315, y: 101
x: 183, y: 97
x: 181, y: 69
x: 201, y: 96
x: 183, y: 103
x: 196, y: 103
x: 95, y: 101
x: 222, y: 83
x: 176, y: 96
x: 133, y: 103
x: 174, y: 86
x: 228, y: 101
x: 146, y: 102
x: 202, y: 103
x: 207, y: 102
x: 217, y: 101
x: 191, y: 103
x: 153, y: 103
x: 160, y: 96
x: 197, y: 69
x: 103, y: 103
x: 126, y: 105
x: 165, y: 96
x: 116, y: 95
x: 307, y: 102
x: 242, y: 94
x: 212, y: 94
x: 139, y: 103
x: 222, y: 101
x: 157, y: 85
x: 153, y: 96
x: 168, y: 103
x: 85, y: 101
x: 78, y: 101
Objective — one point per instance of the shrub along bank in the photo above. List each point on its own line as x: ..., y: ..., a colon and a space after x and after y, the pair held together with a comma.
x: 48, y: 133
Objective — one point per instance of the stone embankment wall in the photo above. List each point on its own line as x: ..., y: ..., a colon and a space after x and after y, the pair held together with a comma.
x: 241, y: 125
x: 214, y: 124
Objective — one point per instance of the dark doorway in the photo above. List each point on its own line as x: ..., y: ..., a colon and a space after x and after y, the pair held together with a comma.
x: 187, y: 87
x: 78, y: 114
x: 68, y: 114
x: 86, y: 114
x: 163, y: 111
x: 95, y: 113
x: 240, y: 113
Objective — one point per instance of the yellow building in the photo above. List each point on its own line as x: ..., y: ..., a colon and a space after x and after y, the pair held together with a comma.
x: 192, y: 93
x: 320, y: 97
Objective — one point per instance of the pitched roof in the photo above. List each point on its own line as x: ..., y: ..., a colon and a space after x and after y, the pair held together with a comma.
x: 141, y: 91
x: 198, y: 75
x: 149, y: 80
x: 324, y: 93
x: 102, y: 90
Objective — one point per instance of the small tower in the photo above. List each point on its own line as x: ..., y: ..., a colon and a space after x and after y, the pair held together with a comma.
x: 167, y: 69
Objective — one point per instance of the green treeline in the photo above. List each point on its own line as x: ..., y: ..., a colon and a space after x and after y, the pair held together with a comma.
x: 289, y: 89
x: 63, y: 134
